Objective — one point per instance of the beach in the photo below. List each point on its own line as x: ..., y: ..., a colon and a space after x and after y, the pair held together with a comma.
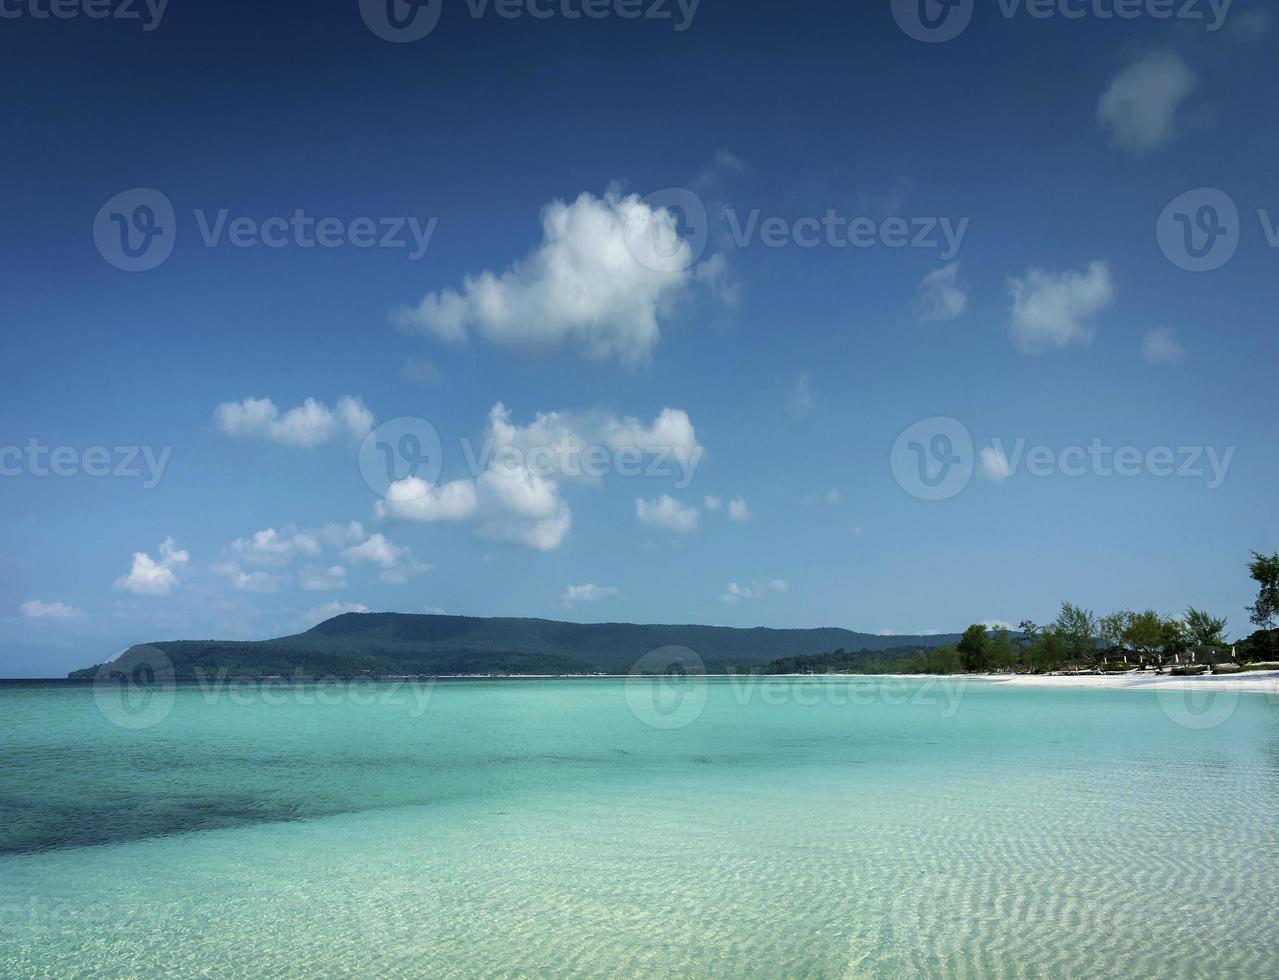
x: 1252, y: 682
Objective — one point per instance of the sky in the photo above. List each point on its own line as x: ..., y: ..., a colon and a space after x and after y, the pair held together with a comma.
x: 888, y: 316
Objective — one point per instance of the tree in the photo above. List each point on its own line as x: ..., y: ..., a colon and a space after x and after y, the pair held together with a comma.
x: 1207, y: 633
x: 973, y: 648
x: 1265, y: 572
x: 943, y: 660
x: 1144, y: 634
x: 1047, y: 650
x: 1110, y: 630
x: 1077, y: 629
x: 1001, y: 652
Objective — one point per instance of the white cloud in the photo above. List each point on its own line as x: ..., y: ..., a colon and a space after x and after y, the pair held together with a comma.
x: 997, y: 624
x: 994, y: 465
x: 35, y: 609
x: 802, y: 401
x: 150, y: 577
x: 258, y: 582
x: 1160, y: 346
x: 588, y: 593
x: 272, y: 547
x: 738, y: 511
x: 736, y: 593
x: 310, y: 424
x: 1140, y: 106
x: 517, y: 496
x: 396, y: 561
x: 606, y: 273
x: 941, y: 296
x: 315, y: 578
x: 667, y: 512
x: 713, y: 503
x: 1054, y: 309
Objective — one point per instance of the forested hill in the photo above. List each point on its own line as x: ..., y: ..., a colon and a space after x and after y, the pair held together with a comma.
x: 395, y: 643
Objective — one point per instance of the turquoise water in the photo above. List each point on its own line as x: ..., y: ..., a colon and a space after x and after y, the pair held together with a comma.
x: 834, y: 828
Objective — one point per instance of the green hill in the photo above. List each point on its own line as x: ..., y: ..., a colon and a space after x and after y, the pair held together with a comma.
x: 386, y: 644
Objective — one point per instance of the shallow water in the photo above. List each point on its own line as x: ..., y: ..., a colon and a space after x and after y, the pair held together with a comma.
x: 842, y: 828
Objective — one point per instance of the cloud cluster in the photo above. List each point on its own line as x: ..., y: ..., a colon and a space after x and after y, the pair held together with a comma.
x: 605, y: 274
x: 1140, y: 106
x: 1160, y: 346
x: 668, y: 513
x: 1055, y: 309
x: 277, y: 548
x: 310, y: 424
x: 574, y: 594
x: 736, y: 593
x: 35, y: 609
x: 517, y: 496
x: 941, y: 296
x: 151, y: 577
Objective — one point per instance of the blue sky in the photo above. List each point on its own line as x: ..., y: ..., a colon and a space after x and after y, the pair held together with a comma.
x: 1068, y: 157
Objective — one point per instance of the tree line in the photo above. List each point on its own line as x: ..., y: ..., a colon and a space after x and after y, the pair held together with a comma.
x: 1079, y: 639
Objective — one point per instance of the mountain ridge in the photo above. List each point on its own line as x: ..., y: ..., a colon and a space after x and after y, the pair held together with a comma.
x: 386, y: 644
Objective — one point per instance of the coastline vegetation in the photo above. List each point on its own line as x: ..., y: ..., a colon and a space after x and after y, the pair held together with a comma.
x: 1079, y: 640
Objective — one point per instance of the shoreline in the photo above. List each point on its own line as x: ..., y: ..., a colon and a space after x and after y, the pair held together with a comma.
x: 1252, y: 682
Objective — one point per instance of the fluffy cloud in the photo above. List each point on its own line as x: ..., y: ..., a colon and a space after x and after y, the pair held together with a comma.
x: 257, y: 582
x: 396, y: 561
x: 35, y: 609
x: 738, y: 511
x: 517, y: 496
x: 713, y: 503
x: 422, y: 371
x: 667, y: 512
x: 1140, y: 106
x: 272, y: 547
x: 736, y: 593
x: 802, y: 401
x: 1160, y: 346
x: 994, y: 465
x: 310, y: 424
x: 588, y: 593
x: 941, y: 296
x: 1054, y: 309
x: 150, y: 577
x: 606, y: 273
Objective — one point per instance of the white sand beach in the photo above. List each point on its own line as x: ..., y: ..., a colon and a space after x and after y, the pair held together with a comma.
x: 1253, y: 682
